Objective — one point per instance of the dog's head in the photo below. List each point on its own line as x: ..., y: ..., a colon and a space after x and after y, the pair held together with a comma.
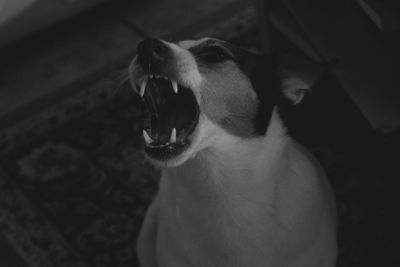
x: 198, y: 91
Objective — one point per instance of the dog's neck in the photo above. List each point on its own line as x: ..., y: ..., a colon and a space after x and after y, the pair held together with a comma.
x: 232, y: 166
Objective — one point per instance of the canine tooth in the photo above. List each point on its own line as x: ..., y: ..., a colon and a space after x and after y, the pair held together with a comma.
x: 157, y: 76
x: 174, y: 86
x: 165, y: 78
x: 147, y: 137
x: 151, y: 76
x: 143, y: 85
x: 172, y: 139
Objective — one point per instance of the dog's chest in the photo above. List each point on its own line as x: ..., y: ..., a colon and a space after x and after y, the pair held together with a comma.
x: 209, y: 217
x: 212, y: 228
x: 202, y: 235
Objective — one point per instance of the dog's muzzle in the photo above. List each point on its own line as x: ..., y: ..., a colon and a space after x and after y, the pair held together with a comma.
x: 172, y: 108
x: 152, y: 53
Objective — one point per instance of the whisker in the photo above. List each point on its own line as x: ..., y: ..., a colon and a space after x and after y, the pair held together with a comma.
x: 124, y: 77
x: 121, y: 78
x: 130, y: 73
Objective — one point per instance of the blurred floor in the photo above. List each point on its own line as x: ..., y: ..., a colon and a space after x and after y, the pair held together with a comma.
x: 8, y: 256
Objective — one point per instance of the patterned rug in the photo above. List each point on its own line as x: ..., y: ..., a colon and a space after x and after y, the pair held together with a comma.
x: 77, y: 195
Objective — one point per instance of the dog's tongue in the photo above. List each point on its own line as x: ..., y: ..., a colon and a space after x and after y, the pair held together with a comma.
x: 168, y: 110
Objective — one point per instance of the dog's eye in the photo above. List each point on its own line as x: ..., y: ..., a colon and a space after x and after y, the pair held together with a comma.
x: 214, y: 54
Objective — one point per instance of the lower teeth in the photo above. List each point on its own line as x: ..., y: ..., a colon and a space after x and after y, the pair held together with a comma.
x: 159, y: 145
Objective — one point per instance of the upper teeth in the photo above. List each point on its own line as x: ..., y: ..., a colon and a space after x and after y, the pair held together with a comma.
x: 147, y: 138
x: 143, y: 83
x: 174, y: 86
x: 172, y: 138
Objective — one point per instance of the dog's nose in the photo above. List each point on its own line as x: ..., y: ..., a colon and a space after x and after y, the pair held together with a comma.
x: 151, y: 51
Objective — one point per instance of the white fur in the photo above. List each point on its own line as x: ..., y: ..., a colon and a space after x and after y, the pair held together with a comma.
x: 186, y: 68
x: 255, y: 202
x: 192, y: 43
x: 230, y: 201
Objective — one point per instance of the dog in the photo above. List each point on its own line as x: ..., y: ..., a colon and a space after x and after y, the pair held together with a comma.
x: 236, y: 190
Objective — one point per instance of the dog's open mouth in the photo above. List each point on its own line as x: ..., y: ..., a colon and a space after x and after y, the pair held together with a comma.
x: 173, y: 116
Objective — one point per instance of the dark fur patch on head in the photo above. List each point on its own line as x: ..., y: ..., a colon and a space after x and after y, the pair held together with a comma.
x: 262, y: 71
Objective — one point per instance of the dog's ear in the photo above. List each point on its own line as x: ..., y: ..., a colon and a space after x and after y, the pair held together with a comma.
x: 273, y: 76
x: 294, y: 89
x: 277, y: 79
x: 298, y: 75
